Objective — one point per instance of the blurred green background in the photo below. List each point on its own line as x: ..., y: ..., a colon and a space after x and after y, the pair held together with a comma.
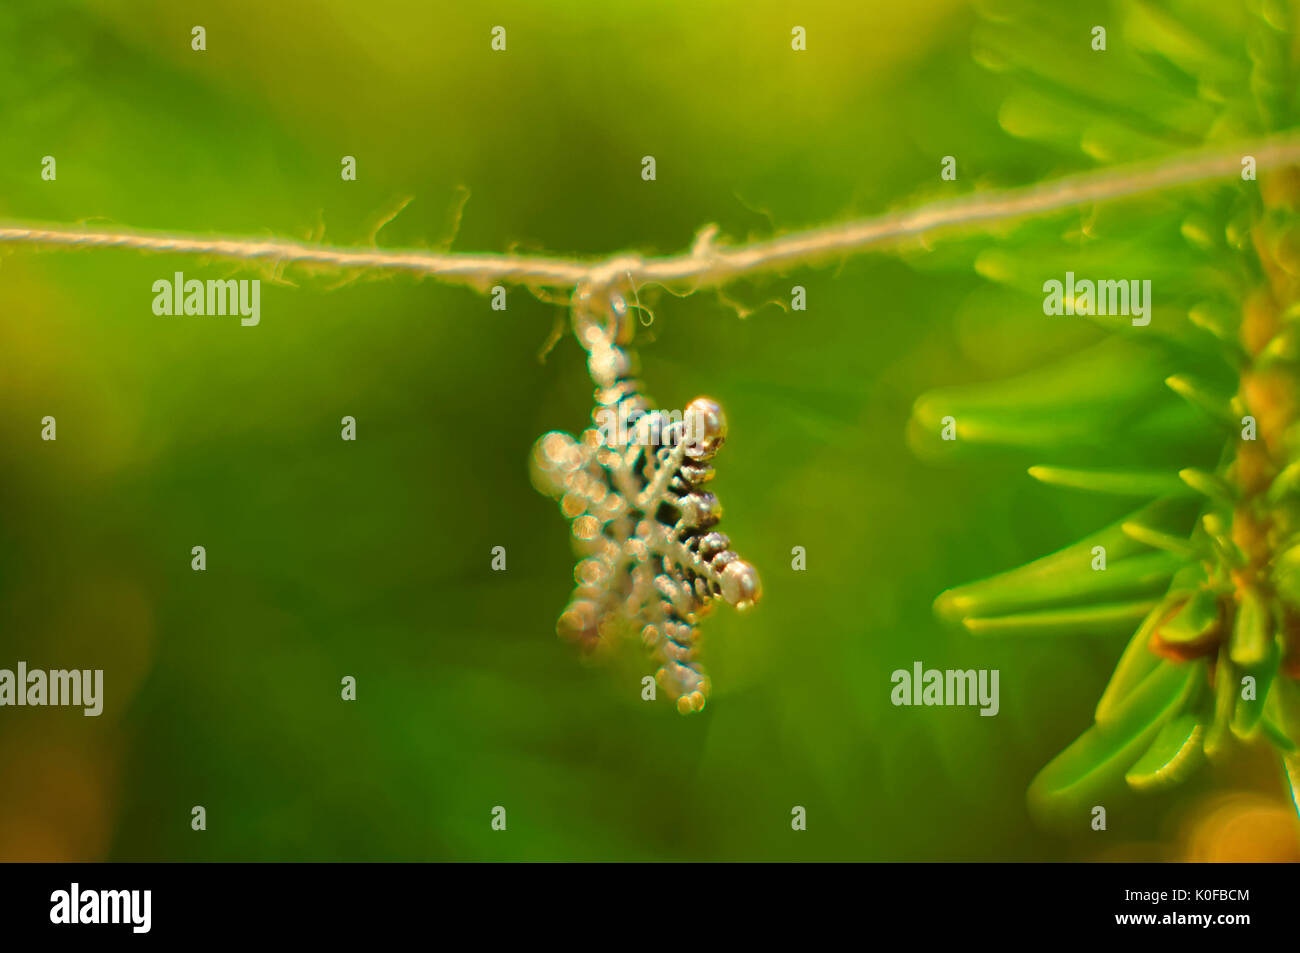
x: 372, y: 558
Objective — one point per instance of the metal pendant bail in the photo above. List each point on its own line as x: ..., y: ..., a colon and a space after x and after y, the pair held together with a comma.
x: 601, y: 317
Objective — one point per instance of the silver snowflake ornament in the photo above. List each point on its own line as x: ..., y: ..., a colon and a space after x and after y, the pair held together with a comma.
x: 633, y: 489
